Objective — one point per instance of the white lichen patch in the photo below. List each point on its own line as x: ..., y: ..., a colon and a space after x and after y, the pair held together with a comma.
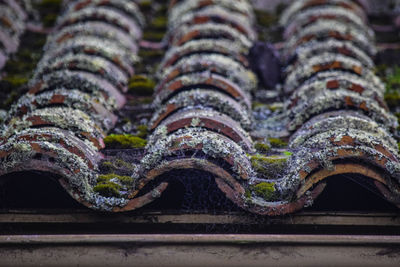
x: 315, y: 47
x: 212, y: 144
x: 336, y: 100
x: 99, y: 29
x: 237, y: 6
x: 214, y: 11
x: 89, y: 63
x: 298, y: 6
x: 324, y: 28
x: 216, y: 63
x: 212, y: 31
x: 211, y: 99
x: 205, y: 46
x: 128, y: 7
x: 111, y: 16
x: 342, y: 121
x: 323, y: 62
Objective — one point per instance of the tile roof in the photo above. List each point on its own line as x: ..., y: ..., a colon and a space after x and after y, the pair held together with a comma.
x: 13, y: 24
x: 333, y: 118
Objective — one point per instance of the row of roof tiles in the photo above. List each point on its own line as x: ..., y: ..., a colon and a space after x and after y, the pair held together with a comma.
x: 334, y: 118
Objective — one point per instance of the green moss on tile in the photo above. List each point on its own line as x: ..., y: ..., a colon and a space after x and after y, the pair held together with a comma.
x: 137, y: 101
x: 152, y: 35
x: 268, y: 166
x: 262, y: 147
x: 257, y: 104
x: 142, y: 131
x: 111, y: 185
x: 151, y: 53
x: 265, y: 190
x: 124, y: 141
x: 275, y: 107
x: 159, y: 23
x: 119, y: 163
x: 145, y: 6
x: 108, y: 189
x: 247, y: 194
x: 141, y: 85
x: 287, y: 153
x: 277, y: 142
x: 392, y: 98
x: 265, y: 18
x: 116, y: 165
x: 19, y: 65
x: 124, y: 180
x: 107, y: 164
x: 16, y: 80
x: 392, y: 94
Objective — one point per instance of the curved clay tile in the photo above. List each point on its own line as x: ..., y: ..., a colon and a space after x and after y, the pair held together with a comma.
x: 202, y: 101
x: 58, y: 126
x: 339, y: 121
x: 335, y: 122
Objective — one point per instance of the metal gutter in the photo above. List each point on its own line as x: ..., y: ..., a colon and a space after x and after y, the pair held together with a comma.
x: 347, y: 240
x: 199, y: 250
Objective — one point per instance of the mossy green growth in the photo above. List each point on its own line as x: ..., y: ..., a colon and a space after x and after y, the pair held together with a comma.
x: 159, y: 23
x: 256, y: 104
x: 265, y: 190
x: 274, y: 107
x: 115, y: 165
x: 139, y: 101
x: 110, y: 185
x: 392, y: 98
x: 392, y: 94
x: 151, y: 53
x: 16, y: 80
x: 278, y: 143
x: 124, y: 180
x: 262, y: 147
x: 247, y: 194
x: 107, y: 164
x: 141, y: 85
x: 265, y: 18
x: 152, y: 35
x: 142, y: 131
x: 145, y: 5
x: 124, y: 141
x: 108, y: 189
x: 268, y: 166
x: 287, y: 153
x: 19, y: 65
x: 272, y: 143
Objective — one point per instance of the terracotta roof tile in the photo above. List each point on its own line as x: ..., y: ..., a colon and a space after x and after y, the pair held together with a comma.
x: 333, y: 118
